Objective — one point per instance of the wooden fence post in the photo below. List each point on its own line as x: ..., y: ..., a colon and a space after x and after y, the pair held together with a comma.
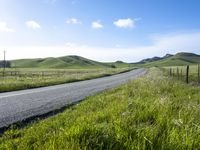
x: 187, y: 74
x: 198, y: 73
x: 170, y: 71
x: 181, y: 74
x: 177, y: 72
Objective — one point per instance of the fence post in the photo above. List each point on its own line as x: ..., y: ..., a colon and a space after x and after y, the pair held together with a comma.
x: 177, y: 72
x: 198, y: 73
x: 4, y: 63
x: 187, y: 74
x: 181, y: 74
x: 170, y: 71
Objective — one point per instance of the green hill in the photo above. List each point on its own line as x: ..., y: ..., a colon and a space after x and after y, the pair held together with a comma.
x: 77, y: 62
x: 120, y: 64
x: 180, y: 59
x: 62, y: 62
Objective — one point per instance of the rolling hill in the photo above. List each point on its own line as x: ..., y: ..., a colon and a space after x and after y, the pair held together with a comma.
x: 154, y: 59
x: 77, y: 62
x: 63, y: 62
x: 180, y: 59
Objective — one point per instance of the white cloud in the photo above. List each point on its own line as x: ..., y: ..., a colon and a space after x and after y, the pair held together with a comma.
x: 97, y: 25
x: 170, y: 43
x: 160, y: 45
x: 73, y: 21
x: 33, y: 24
x: 4, y: 27
x: 72, y: 45
x: 125, y: 23
x: 75, y: 45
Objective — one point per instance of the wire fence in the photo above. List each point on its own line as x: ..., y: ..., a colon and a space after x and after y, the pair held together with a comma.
x: 55, y: 73
x: 189, y: 73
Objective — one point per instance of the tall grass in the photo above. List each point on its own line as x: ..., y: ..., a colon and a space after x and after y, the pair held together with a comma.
x: 149, y: 113
x: 33, y: 78
x: 179, y: 72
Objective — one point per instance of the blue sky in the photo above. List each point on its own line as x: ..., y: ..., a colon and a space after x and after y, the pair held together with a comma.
x: 104, y: 30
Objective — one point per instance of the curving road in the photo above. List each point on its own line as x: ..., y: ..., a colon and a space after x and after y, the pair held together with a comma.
x: 20, y: 105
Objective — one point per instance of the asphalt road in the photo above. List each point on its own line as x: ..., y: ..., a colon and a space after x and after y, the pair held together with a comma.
x: 20, y: 105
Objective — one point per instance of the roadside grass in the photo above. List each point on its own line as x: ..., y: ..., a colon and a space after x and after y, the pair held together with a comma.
x: 33, y: 78
x: 193, y: 72
x: 153, y: 112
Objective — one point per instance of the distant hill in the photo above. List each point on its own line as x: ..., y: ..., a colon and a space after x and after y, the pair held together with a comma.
x: 73, y: 62
x: 155, y: 59
x: 179, y: 59
x: 62, y: 62
x: 119, y: 64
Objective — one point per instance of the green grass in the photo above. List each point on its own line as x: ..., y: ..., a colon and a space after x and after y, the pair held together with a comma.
x: 77, y: 62
x: 60, y: 62
x: 180, y: 59
x: 32, y: 78
x: 69, y: 62
x: 154, y: 112
x: 193, y: 72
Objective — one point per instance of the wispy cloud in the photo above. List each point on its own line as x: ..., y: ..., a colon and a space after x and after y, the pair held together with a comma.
x: 160, y: 45
x: 71, y: 45
x: 168, y: 43
x: 97, y: 24
x: 74, y: 45
x: 73, y: 21
x: 4, y: 27
x: 33, y: 24
x: 172, y: 42
x: 125, y: 23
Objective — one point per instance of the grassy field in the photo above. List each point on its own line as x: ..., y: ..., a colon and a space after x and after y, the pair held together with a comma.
x: 154, y: 112
x: 32, y: 78
x: 193, y: 72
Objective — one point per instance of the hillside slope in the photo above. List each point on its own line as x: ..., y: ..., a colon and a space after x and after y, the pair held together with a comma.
x: 76, y: 62
x: 60, y: 62
x: 155, y: 59
x: 180, y: 59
